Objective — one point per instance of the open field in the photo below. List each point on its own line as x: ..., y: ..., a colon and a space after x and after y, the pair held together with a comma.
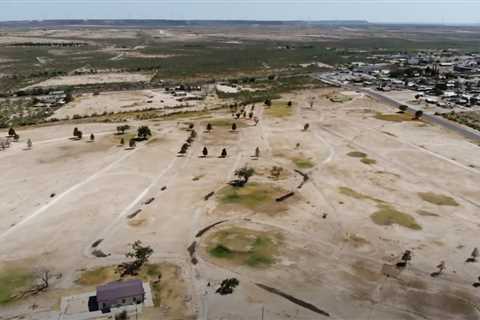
x: 376, y: 187
x: 66, y: 81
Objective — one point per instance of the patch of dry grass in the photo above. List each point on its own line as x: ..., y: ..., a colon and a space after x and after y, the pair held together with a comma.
x: 241, y: 246
x: 279, y: 109
x: 387, y: 215
x: 438, y: 199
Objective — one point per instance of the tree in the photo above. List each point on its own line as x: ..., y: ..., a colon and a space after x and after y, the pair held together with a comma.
x: 79, y: 135
x: 16, y: 137
x: 473, y: 256
x: 193, y: 134
x: 184, y: 148
x: 11, y: 132
x: 209, y: 127
x: 257, y: 152
x: 121, y: 129
x: 143, y: 132
x: 475, y: 253
x: 244, y: 173
x: 268, y: 103
x: 190, y: 126
x: 122, y: 141
x: 92, y: 137
x: 140, y: 253
x: 205, y: 152
x: 29, y: 143
x: 403, y: 108
x: 289, y: 103
x: 406, y: 257
x: 234, y: 126
x: 227, y: 286
x: 418, y: 114
x: 75, y: 132
x: 441, y: 267
x: 306, y: 126
x: 132, y: 143
x: 224, y: 153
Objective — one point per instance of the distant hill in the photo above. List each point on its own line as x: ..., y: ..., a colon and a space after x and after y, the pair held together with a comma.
x: 175, y: 23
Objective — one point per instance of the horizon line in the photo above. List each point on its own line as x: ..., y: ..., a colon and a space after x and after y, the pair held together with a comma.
x: 438, y: 23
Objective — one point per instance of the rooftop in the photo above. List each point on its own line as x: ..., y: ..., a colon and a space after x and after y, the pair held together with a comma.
x: 120, y: 289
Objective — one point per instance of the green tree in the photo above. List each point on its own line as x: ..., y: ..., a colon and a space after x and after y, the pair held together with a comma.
x: 234, y: 126
x: 224, y: 153
x: 209, y: 127
x: 306, y: 126
x: 205, y: 151
x: 140, y: 254
x: 403, y: 108
x: 121, y: 129
x: 245, y: 173
x: 11, y: 132
x: 144, y: 132
x: 132, y: 143
x: 418, y: 114
x: 92, y: 137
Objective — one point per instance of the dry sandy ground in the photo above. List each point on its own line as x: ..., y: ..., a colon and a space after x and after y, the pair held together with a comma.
x: 11, y: 39
x: 333, y: 263
x: 93, y: 79
x: 120, y: 101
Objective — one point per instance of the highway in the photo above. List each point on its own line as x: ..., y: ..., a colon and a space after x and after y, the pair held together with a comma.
x: 465, y: 131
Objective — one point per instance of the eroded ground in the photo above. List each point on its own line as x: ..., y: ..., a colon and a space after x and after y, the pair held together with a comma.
x: 379, y: 184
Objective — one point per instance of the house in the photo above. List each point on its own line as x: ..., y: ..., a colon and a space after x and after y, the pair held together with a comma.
x: 120, y: 293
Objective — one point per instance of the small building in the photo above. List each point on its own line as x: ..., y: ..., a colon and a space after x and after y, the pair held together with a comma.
x: 120, y: 293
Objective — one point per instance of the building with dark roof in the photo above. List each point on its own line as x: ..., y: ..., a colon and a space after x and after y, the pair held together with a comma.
x: 120, y: 293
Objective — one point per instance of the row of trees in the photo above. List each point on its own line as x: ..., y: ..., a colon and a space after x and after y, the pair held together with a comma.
x: 407, y: 257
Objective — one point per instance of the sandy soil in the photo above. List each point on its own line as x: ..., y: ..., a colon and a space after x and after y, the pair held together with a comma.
x: 93, y: 79
x: 332, y: 253
x: 88, y: 104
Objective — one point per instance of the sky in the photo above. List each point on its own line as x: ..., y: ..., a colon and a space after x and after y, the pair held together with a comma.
x: 392, y: 11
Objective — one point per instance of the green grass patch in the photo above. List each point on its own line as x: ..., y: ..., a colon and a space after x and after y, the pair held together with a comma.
x: 427, y: 214
x: 220, y: 251
x: 253, y: 196
x: 245, y: 247
x: 368, y: 161
x: 357, y: 154
x: 357, y: 195
x: 303, y: 163
x: 387, y: 215
x: 12, y: 282
x: 394, y: 117
x: 279, y: 109
x: 438, y: 199
x: 363, y: 157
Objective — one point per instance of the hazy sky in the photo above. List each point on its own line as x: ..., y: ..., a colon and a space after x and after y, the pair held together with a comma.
x: 426, y: 11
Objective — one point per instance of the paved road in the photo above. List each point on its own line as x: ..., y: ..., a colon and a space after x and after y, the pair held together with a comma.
x: 467, y: 132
